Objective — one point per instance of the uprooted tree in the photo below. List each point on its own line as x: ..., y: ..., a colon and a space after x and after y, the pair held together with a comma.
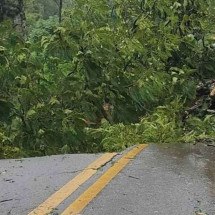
x: 111, y: 74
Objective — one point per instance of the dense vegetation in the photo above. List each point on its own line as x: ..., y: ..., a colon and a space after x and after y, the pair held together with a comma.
x: 105, y: 74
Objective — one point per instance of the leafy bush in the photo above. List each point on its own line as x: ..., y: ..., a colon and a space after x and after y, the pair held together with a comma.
x: 202, y: 128
x: 164, y: 125
x: 115, y: 137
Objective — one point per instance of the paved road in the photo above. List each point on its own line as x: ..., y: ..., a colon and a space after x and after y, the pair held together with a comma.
x: 162, y: 180
x: 25, y: 183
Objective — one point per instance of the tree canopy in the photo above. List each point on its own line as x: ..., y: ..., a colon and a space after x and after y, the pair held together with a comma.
x: 108, y: 75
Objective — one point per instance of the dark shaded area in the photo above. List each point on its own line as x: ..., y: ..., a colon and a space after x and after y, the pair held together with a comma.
x: 204, y: 102
x: 9, y: 9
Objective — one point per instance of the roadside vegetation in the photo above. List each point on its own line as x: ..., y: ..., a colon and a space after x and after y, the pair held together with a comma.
x: 103, y: 75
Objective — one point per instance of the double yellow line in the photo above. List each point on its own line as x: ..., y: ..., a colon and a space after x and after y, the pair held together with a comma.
x: 86, y: 197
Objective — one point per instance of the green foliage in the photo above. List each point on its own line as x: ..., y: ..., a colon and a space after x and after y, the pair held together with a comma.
x: 202, y: 128
x: 137, y: 56
x: 42, y: 28
x: 164, y: 125
x: 114, y: 137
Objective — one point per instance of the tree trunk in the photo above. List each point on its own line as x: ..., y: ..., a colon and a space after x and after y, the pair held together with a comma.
x: 2, y: 3
x: 14, y: 10
x: 60, y: 10
x: 19, y: 20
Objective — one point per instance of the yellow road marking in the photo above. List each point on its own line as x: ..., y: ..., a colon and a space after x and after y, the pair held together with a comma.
x: 85, y: 198
x: 58, y: 197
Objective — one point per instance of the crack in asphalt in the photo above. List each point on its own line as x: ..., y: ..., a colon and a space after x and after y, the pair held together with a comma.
x: 111, y: 160
x: 7, y: 200
x: 130, y: 176
x: 128, y: 210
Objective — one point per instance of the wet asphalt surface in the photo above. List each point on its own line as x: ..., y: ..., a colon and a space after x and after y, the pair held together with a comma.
x: 162, y: 180
x: 25, y: 183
